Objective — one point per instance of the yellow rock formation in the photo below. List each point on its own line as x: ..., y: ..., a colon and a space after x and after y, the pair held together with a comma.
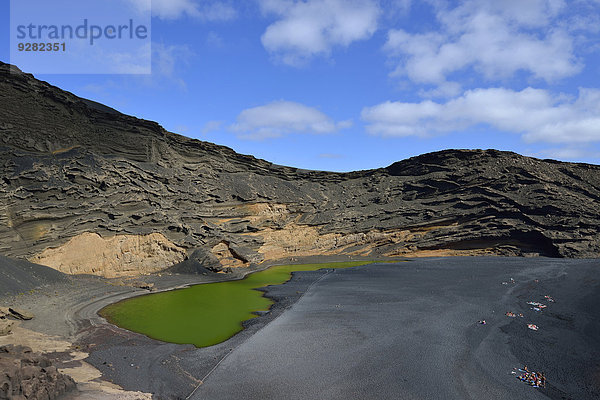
x: 121, y: 255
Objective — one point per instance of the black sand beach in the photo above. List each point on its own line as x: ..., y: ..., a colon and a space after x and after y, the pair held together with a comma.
x: 406, y: 330
x: 410, y: 331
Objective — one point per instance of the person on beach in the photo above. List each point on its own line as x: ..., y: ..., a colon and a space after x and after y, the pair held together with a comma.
x: 543, y: 380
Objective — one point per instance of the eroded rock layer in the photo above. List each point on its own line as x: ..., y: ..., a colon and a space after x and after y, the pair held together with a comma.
x: 73, y: 171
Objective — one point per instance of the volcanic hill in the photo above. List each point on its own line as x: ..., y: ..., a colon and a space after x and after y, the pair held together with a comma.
x: 86, y: 189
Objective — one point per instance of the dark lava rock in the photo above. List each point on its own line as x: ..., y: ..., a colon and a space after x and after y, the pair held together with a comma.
x: 18, y: 314
x: 28, y: 375
x: 68, y: 166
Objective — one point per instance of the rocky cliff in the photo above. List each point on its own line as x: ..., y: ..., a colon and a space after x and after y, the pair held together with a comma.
x: 84, y: 188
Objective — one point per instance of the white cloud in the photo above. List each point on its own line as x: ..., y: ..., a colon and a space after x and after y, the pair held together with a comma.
x: 284, y: 117
x: 496, y: 39
x: 534, y: 113
x: 530, y: 13
x: 205, y: 10
x: 313, y: 27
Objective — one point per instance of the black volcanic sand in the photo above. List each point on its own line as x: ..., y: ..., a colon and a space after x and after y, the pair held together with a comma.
x: 171, y: 371
x: 410, y: 331
x: 17, y: 276
x: 406, y: 330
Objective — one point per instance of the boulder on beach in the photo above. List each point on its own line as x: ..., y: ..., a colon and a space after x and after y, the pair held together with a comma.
x: 20, y: 314
x: 15, y: 313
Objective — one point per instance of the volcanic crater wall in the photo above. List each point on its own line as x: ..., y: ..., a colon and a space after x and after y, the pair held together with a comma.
x: 74, y: 173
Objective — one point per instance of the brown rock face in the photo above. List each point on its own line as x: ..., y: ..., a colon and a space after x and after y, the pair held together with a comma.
x: 71, y: 168
x: 121, y: 255
x: 27, y: 375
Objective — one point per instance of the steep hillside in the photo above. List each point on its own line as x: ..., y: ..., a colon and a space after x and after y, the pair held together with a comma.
x: 84, y: 188
x: 17, y: 276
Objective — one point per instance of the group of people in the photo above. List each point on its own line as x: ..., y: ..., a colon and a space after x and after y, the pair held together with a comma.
x: 532, y: 378
x: 535, y: 379
x: 513, y: 315
x: 533, y: 327
x: 537, y: 304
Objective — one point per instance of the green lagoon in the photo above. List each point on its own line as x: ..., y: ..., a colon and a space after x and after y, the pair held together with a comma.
x: 206, y: 314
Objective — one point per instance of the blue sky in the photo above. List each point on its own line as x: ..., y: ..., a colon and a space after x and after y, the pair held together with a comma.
x: 356, y: 84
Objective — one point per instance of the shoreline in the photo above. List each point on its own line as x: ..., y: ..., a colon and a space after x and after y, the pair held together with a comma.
x: 110, y: 361
x: 411, y: 331
x: 170, y: 359
x: 67, y: 313
x: 225, y: 306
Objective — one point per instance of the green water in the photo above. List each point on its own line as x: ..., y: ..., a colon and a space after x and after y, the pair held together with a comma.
x: 207, y: 314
